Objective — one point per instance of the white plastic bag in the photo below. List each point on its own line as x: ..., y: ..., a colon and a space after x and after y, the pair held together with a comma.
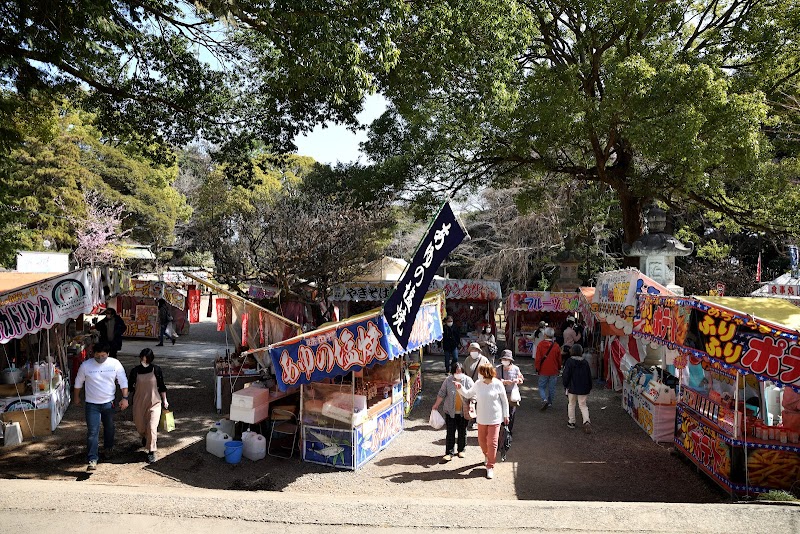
x: 515, y: 396
x: 170, y: 331
x: 436, y: 420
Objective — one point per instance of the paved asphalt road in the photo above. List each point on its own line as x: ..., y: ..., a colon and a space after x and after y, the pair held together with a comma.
x: 28, y: 506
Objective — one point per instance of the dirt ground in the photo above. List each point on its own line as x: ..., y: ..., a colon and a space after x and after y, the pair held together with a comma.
x: 548, y: 461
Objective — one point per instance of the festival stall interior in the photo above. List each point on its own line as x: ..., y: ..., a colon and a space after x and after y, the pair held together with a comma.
x: 43, y: 339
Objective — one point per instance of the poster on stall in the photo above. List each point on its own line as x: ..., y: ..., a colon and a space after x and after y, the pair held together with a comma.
x: 468, y: 289
x: 328, y: 446
x: 704, y: 445
x: 373, y: 436
x: 54, y: 301
x: 349, y: 346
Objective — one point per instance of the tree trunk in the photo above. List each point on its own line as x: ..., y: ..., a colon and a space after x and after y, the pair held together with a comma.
x: 632, y: 222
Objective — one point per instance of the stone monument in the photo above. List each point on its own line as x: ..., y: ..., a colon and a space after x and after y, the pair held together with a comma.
x: 657, y: 250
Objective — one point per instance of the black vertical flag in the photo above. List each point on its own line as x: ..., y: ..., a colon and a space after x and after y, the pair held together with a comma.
x: 400, y: 309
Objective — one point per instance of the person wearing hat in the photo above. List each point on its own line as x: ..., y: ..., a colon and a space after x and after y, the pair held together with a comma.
x: 471, y: 365
x: 538, y: 335
x: 511, y: 377
x: 548, y: 364
x: 578, y: 383
x: 451, y: 340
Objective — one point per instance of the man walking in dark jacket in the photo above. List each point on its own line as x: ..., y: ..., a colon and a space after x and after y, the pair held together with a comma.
x: 450, y: 343
x: 111, y: 330
x: 577, y: 379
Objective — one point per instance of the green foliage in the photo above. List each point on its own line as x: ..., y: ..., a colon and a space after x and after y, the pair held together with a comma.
x: 42, y: 175
x: 675, y: 101
x: 777, y: 495
x: 241, y: 73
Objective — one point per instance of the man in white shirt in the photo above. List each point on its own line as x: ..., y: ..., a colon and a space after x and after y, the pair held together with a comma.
x: 100, y: 376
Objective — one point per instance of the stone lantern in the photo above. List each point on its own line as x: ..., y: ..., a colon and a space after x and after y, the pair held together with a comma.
x: 567, y: 262
x: 657, y: 250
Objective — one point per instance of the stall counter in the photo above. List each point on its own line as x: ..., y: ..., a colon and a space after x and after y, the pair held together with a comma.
x: 56, y: 400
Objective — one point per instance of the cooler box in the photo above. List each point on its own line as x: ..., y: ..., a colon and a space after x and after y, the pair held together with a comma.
x: 249, y: 398
x: 250, y: 415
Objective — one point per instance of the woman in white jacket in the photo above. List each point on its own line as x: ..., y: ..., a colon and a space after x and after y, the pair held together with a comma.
x: 492, y: 408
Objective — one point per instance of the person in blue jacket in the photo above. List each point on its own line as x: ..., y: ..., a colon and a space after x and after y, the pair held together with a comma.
x: 577, y: 379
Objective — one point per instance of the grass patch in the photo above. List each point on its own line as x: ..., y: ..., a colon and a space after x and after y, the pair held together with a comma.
x: 777, y: 495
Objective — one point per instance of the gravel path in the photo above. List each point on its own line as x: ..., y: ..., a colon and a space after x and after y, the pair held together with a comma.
x: 548, y: 461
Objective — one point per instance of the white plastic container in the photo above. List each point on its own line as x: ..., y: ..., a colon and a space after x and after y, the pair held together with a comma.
x: 215, y: 442
x: 249, y: 398
x: 255, y: 446
x: 226, y: 426
x: 12, y: 434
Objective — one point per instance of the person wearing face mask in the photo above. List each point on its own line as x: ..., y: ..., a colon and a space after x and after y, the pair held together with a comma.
x: 471, y: 365
x: 149, y: 394
x: 456, y: 411
x: 450, y: 343
x: 100, y: 376
x: 511, y: 377
x: 487, y: 342
x: 492, y: 411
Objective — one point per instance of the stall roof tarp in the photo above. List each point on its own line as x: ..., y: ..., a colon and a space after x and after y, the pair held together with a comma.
x: 35, y: 306
x: 13, y: 280
x: 784, y: 287
x: 351, y: 345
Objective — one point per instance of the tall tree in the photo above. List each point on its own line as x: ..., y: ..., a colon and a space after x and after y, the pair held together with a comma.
x: 233, y: 71
x: 675, y: 101
x: 42, y: 183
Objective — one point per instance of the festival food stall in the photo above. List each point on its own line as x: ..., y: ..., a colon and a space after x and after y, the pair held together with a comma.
x: 34, y: 338
x: 138, y: 307
x: 634, y: 366
x: 350, y: 374
x: 525, y: 309
x: 729, y: 352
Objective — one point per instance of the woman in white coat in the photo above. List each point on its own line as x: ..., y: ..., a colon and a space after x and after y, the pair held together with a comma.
x: 492, y: 408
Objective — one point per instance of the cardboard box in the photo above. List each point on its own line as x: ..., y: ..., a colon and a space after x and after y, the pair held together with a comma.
x: 250, y: 397
x: 250, y: 415
x: 12, y: 390
x: 34, y: 423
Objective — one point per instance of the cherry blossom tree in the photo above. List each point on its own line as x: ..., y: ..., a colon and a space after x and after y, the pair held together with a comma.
x: 98, y: 231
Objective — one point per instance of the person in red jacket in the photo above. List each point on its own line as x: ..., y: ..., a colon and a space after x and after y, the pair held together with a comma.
x: 548, y: 364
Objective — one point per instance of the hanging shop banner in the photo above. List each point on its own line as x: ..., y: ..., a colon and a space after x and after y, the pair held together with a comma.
x: 544, y: 301
x: 467, y: 289
x: 245, y: 323
x: 146, y: 288
x: 175, y: 297
x: 444, y: 235
x: 349, y: 346
x: 734, y: 340
x: 193, y: 300
x: 224, y: 313
x: 259, y: 292
x: 54, y: 301
x: 358, y: 291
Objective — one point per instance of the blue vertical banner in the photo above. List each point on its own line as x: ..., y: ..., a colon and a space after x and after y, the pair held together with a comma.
x: 400, y: 309
x: 793, y: 261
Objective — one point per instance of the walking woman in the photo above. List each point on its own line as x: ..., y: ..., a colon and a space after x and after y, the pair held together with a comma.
x: 146, y: 385
x: 492, y: 410
x: 456, y: 411
x: 511, y: 377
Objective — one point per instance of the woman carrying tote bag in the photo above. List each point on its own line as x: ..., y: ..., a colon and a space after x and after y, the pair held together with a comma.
x: 511, y: 377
